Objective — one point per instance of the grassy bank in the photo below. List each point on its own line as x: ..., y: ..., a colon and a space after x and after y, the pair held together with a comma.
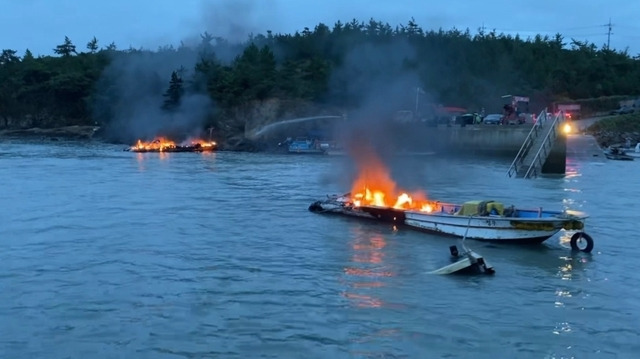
x: 616, y: 130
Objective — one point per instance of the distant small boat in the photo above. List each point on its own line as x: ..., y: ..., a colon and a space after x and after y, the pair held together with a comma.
x: 305, y: 146
x: 617, y: 154
x: 633, y: 152
x: 315, y: 147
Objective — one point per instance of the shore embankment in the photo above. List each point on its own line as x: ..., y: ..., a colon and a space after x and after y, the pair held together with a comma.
x: 614, y: 130
x: 58, y: 133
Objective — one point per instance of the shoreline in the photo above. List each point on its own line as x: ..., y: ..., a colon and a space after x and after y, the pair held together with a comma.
x: 92, y: 133
x: 603, y: 137
x: 75, y: 132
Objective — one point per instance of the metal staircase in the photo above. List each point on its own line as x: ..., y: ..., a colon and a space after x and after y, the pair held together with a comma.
x: 536, y: 147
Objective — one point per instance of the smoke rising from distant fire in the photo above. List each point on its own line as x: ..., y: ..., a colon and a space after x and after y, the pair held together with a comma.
x: 235, y: 20
x: 129, y: 95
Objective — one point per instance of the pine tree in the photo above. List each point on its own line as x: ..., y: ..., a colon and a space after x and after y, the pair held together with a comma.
x: 8, y: 56
x: 28, y: 56
x: 65, y: 49
x: 174, y: 93
x: 92, y: 45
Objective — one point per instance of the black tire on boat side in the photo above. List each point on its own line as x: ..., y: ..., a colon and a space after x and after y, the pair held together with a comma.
x: 581, y: 235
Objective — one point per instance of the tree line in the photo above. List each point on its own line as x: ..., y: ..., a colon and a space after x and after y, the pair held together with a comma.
x: 324, y: 66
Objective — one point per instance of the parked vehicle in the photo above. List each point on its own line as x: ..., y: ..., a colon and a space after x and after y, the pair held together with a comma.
x: 467, y: 119
x: 493, y: 119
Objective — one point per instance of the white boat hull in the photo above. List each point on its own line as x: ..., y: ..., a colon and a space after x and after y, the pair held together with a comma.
x: 485, y: 228
x: 532, y: 227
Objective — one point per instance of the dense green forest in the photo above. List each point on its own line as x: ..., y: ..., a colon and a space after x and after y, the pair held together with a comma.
x: 330, y: 70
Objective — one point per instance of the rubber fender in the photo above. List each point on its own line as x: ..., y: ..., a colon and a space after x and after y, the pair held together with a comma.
x: 581, y: 235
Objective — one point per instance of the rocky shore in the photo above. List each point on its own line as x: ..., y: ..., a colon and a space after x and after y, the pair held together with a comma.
x: 84, y: 133
x: 59, y: 133
x: 608, y: 138
x: 608, y: 131
x: 616, y: 130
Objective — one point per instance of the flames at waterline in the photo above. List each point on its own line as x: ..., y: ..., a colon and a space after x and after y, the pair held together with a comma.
x: 375, y: 187
x: 162, y: 144
x: 158, y: 144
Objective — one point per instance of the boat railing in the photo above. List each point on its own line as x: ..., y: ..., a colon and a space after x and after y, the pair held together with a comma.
x: 547, y: 143
x: 526, y: 145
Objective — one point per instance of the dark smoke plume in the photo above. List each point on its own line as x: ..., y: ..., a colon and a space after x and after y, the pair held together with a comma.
x: 129, y: 95
x: 235, y: 20
x: 384, y: 85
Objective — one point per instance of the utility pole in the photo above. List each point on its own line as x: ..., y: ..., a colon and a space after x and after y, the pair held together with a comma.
x: 609, y: 34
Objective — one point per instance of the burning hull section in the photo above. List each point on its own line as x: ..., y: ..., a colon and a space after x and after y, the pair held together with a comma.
x: 340, y: 205
x: 164, y: 145
x: 517, y: 226
x: 194, y: 148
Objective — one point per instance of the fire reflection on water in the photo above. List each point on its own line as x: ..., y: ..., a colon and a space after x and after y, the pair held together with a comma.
x: 572, y: 169
x: 143, y: 158
x: 367, y: 270
x: 565, y: 294
x: 208, y: 154
x: 140, y: 159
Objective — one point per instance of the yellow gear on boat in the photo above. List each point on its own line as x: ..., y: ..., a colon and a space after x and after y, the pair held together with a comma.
x: 481, y: 208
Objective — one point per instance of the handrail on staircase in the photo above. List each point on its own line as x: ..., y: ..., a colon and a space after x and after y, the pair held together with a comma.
x: 527, y: 142
x: 552, y: 129
x: 532, y: 170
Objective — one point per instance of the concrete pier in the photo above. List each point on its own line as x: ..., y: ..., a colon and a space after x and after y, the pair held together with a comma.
x: 557, y: 160
x: 480, y: 139
x: 489, y: 140
x: 584, y: 147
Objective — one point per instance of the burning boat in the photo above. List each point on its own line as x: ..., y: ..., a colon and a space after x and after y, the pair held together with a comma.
x: 483, y: 220
x: 162, y: 144
x: 375, y: 197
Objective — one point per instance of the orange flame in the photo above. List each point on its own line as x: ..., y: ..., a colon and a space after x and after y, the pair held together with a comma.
x: 162, y: 144
x: 375, y: 187
x: 158, y: 144
x: 202, y: 143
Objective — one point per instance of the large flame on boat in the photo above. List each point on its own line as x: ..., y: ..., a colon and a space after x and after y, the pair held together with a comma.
x: 162, y: 144
x: 375, y: 187
x: 158, y: 144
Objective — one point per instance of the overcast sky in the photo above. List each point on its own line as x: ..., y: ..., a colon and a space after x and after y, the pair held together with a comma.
x: 40, y: 25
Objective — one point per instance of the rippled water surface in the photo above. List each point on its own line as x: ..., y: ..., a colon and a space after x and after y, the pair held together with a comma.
x: 110, y: 254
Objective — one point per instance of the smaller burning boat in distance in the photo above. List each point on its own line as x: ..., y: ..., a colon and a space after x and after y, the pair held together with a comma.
x: 479, y: 220
x: 162, y: 144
